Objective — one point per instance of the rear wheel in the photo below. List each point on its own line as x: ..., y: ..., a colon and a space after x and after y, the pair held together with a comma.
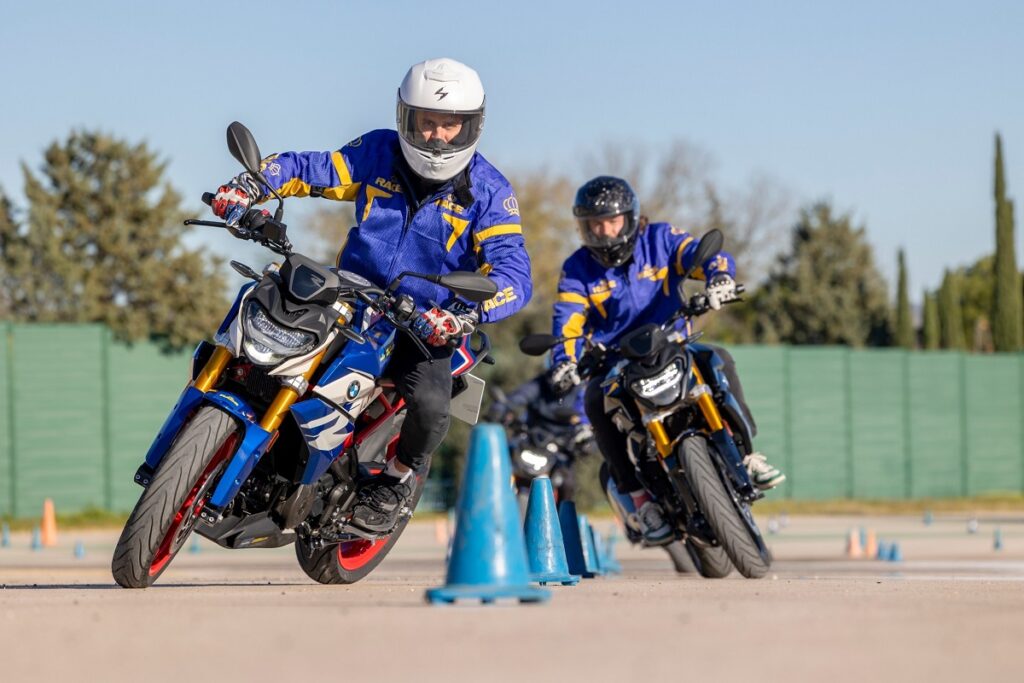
x: 680, y: 559
x: 167, y: 510
x: 350, y: 561
x: 722, y: 512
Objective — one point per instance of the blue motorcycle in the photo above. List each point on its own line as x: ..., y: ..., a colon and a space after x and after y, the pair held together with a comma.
x: 287, y: 413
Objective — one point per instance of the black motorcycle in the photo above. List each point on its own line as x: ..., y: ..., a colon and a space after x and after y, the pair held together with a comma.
x: 686, y: 434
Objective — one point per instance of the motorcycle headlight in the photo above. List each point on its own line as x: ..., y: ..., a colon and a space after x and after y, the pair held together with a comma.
x: 663, y: 388
x: 268, y: 343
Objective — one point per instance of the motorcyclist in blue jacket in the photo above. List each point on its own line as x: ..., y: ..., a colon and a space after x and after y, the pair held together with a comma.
x: 425, y: 201
x: 625, y: 276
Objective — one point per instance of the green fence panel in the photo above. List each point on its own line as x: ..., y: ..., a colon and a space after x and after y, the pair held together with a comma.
x: 876, y: 418
x: 818, y: 429
x: 144, y: 385
x: 762, y: 371
x: 58, y: 417
x: 993, y: 414
x: 8, y: 490
x: 936, y: 429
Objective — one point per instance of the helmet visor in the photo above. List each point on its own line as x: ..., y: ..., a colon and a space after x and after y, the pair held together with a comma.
x: 603, y: 232
x: 439, y: 132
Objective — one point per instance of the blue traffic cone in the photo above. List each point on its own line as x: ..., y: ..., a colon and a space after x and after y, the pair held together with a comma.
x: 194, y: 548
x: 589, y: 551
x: 883, y: 551
x: 928, y: 519
x: 570, y: 523
x: 5, y: 536
x: 997, y: 539
x: 895, y: 555
x: 488, y: 559
x: 79, y: 550
x: 37, y: 541
x: 863, y: 537
x: 608, y: 560
x: 544, y: 547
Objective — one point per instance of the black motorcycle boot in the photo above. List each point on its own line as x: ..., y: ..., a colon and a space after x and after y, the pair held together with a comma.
x: 380, y: 503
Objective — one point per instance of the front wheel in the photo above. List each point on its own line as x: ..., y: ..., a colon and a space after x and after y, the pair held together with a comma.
x: 721, y: 511
x: 350, y: 561
x: 167, y: 510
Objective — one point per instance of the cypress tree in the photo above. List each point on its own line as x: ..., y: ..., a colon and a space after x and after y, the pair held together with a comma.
x: 904, y: 325
x: 1007, y: 320
x: 930, y: 335
x: 950, y: 313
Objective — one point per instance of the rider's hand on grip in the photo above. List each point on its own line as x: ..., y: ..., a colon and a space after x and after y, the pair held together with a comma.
x: 437, y: 326
x: 721, y: 289
x: 564, y: 377
x: 233, y: 199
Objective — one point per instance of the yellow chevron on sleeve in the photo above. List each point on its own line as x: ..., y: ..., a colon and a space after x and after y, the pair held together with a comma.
x: 598, y: 299
x: 679, y: 255
x: 494, y: 231
x: 458, y: 227
x: 294, y: 188
x: 344, y: 177
x: 573, y: 328
x: 573, y: 298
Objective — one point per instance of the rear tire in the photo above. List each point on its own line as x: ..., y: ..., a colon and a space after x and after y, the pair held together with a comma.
x: 348, y: 562
x: 680, y: 558
x: 166, y: 512
x: 720, y: 510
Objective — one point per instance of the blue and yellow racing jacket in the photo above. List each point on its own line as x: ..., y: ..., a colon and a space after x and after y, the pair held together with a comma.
x: 606, y: 303
x: 470, y: 227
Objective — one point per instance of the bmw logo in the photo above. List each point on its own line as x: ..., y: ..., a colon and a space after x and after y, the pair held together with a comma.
x: 353, y: 390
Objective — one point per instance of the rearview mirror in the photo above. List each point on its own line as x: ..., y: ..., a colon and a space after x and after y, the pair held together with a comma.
x: 537, y: 344
x: 709, y: 245
x: 473, y: 286
x: 243, y: 147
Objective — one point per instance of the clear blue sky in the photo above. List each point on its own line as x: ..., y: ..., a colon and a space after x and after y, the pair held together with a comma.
x: 886, y: 108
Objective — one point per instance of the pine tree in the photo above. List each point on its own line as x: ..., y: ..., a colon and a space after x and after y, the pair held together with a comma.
x: 930, y: 334
x: 1007, y: 331
x: 904, y: 324
x: 950, y: 313
x: 102, y: 242
x: 826, y: 290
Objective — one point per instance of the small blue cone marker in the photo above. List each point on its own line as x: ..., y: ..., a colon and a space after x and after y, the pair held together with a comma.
x: 79, y: 550
x: 608, y: 560
x: 928, y: 519
x: 5, y: 536
x: 997, y: 539
x: 488, y: 558
x: 883, y: 551
x: 570, y: 523
x: 895, y: 555
x: 544, y: 546
x: 37, y: 543
x: 194, y: 548
x: 590, y: 557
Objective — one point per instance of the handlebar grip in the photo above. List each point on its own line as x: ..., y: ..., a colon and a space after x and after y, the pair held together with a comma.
x: 208, y: 198
x: 740, y: 288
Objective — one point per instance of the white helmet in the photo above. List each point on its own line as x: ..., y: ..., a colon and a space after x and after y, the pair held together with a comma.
x: 445, y: 86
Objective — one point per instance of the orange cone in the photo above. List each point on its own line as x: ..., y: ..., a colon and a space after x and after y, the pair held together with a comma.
x: 441, y: 531
x: 853, y: 549
x: 48, y: 530
x: 871, y: 545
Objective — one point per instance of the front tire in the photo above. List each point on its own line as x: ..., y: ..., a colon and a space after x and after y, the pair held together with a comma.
x: 167, y: 510
x: 720, y: 510
x: 350, y: 561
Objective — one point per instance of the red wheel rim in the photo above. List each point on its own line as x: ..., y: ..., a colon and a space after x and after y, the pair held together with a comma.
x: 189, y: 511
x: 355, y: 554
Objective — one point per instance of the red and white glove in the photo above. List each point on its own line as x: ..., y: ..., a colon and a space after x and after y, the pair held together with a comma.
x: 438, y: 327
x: 233, y: 199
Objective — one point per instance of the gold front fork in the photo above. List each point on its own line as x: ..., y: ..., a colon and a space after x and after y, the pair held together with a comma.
x: 707, y: 407
x: 286, y: 397
x: 211, y: 372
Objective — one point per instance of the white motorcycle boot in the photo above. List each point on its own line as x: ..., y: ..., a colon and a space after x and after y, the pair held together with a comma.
x: 764, y: 475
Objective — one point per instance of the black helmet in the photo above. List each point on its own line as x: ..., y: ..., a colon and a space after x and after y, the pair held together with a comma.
x: 602, y: 197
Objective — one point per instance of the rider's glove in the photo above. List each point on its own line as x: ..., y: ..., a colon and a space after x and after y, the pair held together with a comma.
x: 583, y: 434
x: 564, y: 377
x: 232, y: 199
x: 466, y: 313
x: 438, y: 327
x: 721, y: 289
x: 253, y: 220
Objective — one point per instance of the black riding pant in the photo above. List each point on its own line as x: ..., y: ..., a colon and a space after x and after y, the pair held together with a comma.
x: 612, y: 442
x: 427, y: 389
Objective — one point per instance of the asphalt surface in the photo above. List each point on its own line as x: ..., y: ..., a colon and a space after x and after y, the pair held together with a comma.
x: 953, y: 609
